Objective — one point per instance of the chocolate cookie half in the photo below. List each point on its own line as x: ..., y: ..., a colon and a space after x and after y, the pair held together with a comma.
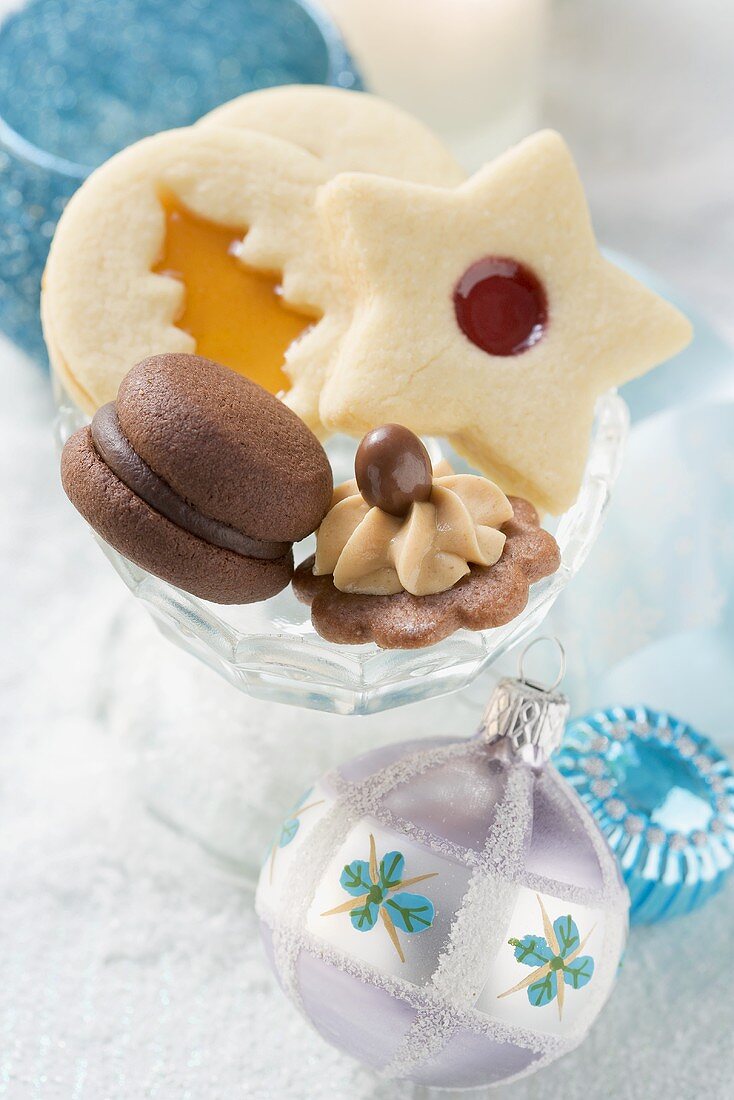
x: 201, y: 477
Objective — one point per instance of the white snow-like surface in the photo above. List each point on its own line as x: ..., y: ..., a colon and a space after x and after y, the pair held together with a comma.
x: 130, y: 965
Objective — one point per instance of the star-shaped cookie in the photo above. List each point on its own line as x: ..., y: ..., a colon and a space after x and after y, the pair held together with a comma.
x: 486, y: 314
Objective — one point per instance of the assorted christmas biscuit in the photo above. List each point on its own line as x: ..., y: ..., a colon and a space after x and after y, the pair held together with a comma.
x: 201, y: 477
x: 407, y: 555
x: 322, y: 246
x: 114, y: 295
x: 486, y: 314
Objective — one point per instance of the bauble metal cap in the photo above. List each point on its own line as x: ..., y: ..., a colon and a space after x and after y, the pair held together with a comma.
x: 527, y: 717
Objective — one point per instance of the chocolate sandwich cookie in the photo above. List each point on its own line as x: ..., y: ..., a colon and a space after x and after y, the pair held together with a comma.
x: 201, y: 477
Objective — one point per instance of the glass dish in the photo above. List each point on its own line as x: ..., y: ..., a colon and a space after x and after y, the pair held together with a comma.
x: 271, y: 651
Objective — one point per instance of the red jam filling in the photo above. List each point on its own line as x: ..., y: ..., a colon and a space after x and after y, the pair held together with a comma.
x: 501, y: 306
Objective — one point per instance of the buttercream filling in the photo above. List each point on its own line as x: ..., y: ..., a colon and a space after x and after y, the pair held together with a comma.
x: 116, y: 451
x: 424, y: 552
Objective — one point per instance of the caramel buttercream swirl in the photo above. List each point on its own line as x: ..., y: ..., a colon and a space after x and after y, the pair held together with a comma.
x: 427, y: 551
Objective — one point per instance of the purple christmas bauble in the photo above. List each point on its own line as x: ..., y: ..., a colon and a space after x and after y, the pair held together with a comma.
x: 446, y: 911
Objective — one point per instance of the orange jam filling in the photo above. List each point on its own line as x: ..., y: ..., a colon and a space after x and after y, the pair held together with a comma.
x: 234, y: 313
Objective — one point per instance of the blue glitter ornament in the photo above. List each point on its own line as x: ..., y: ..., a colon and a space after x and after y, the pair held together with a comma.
x: 81, y: 79
x: 663, y: 796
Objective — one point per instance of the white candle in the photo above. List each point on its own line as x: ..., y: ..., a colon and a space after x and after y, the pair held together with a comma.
x: 468, y: 68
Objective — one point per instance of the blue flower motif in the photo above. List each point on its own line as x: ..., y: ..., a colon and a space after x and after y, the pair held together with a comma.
x: 372, y: 885
x: 290, y: 826
x: 558, y: 961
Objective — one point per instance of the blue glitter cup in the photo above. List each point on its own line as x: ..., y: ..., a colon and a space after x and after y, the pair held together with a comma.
x: 663, y: 795
x: 81, y: 79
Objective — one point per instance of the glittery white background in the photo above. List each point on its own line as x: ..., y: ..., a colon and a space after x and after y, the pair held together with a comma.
x: 129, y: 961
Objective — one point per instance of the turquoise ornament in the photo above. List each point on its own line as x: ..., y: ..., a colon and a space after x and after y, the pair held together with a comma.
x: 663, y: 796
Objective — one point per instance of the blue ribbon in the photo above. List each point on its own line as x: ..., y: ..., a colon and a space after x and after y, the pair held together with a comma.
x: 650, y: 617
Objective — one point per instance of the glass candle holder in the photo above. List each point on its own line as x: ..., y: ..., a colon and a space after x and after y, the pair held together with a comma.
x: 81, y: 79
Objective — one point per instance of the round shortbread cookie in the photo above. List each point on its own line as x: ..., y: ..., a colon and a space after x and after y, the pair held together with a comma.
x: 103, y: 307
x: 349, y: 131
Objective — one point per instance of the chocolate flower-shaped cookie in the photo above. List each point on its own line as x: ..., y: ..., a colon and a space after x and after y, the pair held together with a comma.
x: 484, y: 596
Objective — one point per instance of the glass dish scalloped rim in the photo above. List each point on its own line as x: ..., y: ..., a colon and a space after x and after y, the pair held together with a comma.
x: 271, y: 651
